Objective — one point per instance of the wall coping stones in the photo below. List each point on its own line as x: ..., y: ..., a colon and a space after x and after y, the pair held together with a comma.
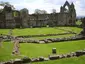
x: 17, y: 61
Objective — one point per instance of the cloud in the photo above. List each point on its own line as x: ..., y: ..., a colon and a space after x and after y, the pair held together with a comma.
x: 48, y: 5
x: 37, y: 4
x: 80, y: 7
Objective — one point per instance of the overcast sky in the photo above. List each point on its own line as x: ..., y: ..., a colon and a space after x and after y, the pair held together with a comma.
x: 47, y: 5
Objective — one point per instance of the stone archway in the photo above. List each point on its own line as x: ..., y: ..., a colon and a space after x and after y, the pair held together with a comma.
x: 66, y: 7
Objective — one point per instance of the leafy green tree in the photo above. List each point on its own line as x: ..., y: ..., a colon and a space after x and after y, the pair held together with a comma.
x: 6, y: 3
x: 38, y: 11
x: 53, y: 11
x: 24, y: 12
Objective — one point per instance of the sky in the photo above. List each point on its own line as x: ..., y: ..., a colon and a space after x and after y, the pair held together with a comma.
x: 47, y: 5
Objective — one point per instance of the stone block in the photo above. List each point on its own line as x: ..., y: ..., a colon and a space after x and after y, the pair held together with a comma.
x: 9, y: 62
x: 46, y: 59
x: 83, y: 52
x: 53, y: 57
x: 54, y: 51
x: 63, y: 56
x: 41, y: 58
x: 26, y: 60
x: 17, y: 61
x: 35, y: 59
x: 73, y: 53
x: 79, y: 53
x: 41, y: 42
x: 69, y: 55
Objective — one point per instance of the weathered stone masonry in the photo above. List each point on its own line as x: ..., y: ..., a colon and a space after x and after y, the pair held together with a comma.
x: 15, y: 19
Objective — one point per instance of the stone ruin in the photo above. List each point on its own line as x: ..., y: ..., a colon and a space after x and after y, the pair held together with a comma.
x: 83, y: 25
x: 10, y: 18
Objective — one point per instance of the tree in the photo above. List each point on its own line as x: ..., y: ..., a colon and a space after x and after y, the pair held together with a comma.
x: 53, y: 11
x: 24, y: 12
x: 1, y: 8
x: 37, y: 11
x: 43, y: 12
x: 6, y: 4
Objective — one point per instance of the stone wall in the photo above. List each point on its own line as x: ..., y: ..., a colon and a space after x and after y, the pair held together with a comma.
x: 17, y: 19
x: 51, y: 57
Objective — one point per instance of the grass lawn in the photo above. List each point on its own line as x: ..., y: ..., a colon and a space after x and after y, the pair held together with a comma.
x: 37, y: 50
x: 45, y: 37
x: 4, y: 31
x: 73, y: 29
x: 43, y: 30
x: 37, y: 31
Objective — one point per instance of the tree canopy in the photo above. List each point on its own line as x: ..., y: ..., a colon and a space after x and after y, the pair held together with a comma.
x: 38, y: 11
x: 53, y: 11
x: 6, y: 4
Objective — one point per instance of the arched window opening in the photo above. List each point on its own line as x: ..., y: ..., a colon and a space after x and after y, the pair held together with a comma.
x: 66, y: 9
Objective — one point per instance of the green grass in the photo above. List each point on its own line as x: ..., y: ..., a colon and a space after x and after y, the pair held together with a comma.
x: 45, y: 37
x: 43, y: 30
x: 5, y: 51
x: 4, y: 31
x: 37, y: 50
x: 45, y: 49
x: 36, y: 31
x: 78, y: 22
x: 73, y: 29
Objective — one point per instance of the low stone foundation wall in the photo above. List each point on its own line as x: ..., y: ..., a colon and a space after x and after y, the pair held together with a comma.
x: 51, y: 40
x: 50, y: 57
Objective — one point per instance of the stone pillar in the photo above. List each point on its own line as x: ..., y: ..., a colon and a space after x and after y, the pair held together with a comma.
x: 54, y: 51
